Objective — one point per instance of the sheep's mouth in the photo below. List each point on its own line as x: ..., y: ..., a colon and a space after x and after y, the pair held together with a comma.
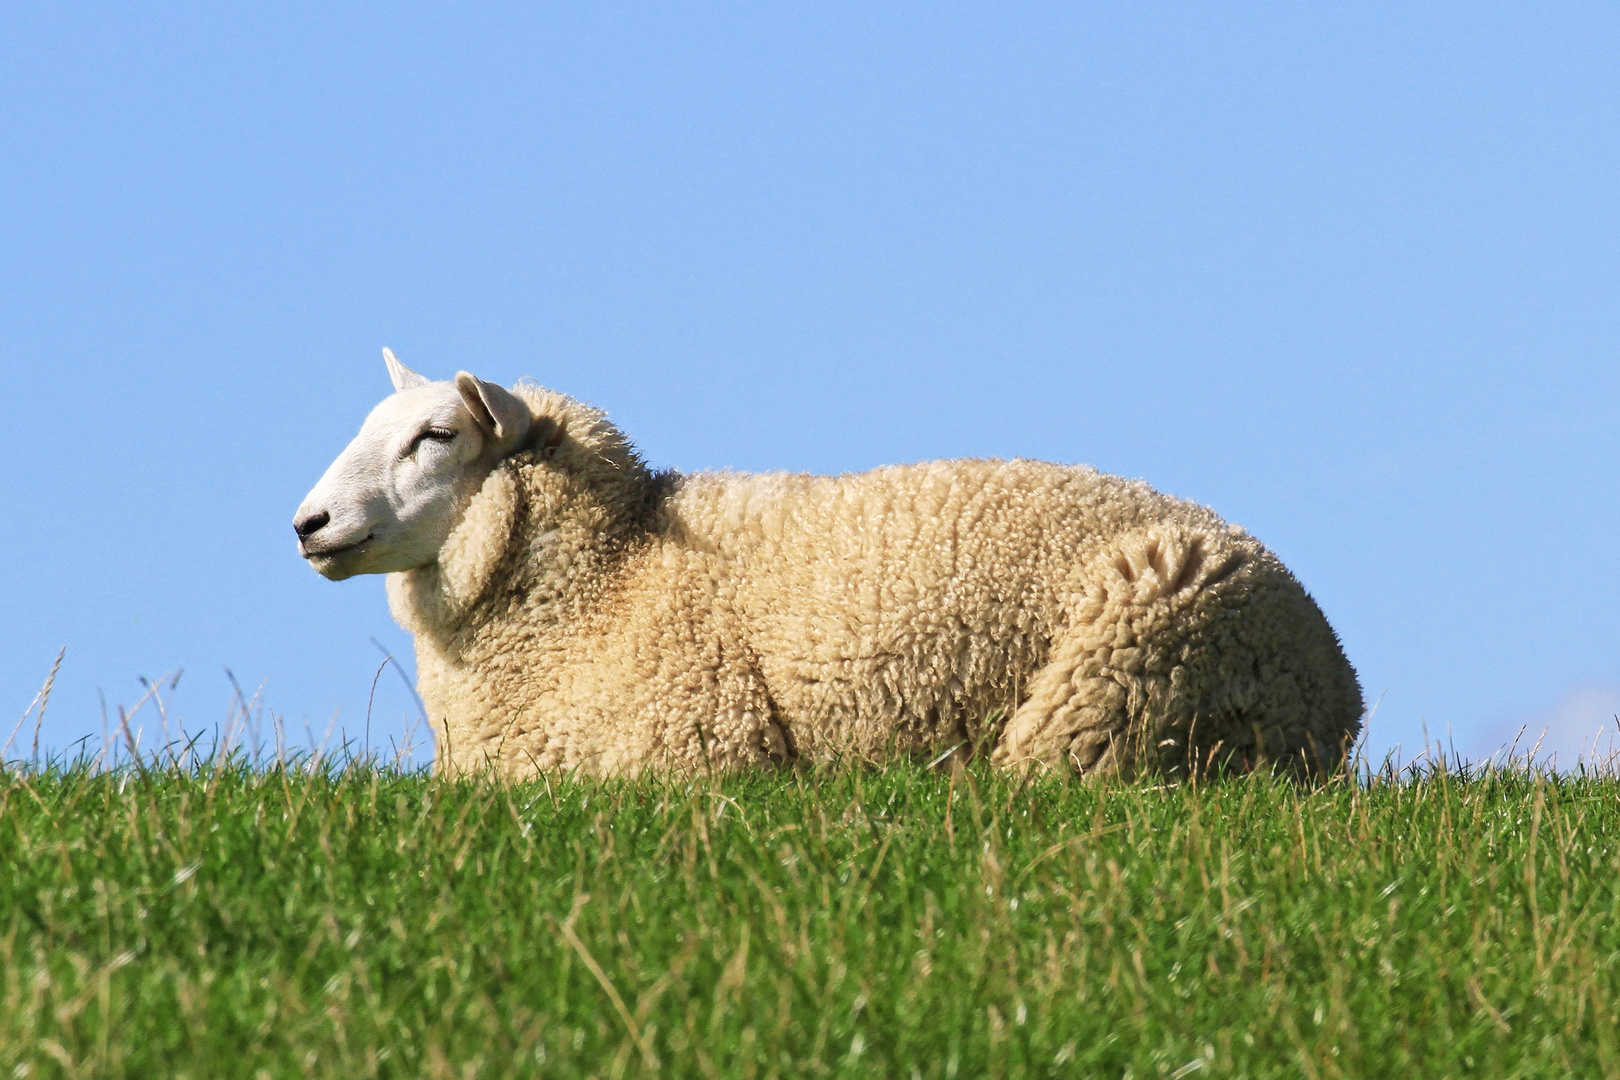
x: 334, y: 552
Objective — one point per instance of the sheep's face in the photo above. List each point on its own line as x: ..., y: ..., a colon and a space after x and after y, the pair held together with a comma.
x: 391, y: 498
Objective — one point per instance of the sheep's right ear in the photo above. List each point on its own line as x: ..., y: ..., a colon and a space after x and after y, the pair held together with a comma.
x: 504, y: 419
x: 404, y: 378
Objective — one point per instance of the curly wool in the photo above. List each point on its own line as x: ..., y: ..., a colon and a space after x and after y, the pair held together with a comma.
x: 590, y: 614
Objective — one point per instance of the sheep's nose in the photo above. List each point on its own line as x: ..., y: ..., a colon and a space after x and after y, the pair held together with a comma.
x: 309, y: 526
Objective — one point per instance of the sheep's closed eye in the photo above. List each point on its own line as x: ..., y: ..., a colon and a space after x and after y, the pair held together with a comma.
x: 442, y: 435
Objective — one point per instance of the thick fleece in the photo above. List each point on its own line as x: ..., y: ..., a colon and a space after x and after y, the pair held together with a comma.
x: 588, y: 613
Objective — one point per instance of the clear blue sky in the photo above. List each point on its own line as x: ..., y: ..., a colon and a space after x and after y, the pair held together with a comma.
x: 1346, y: 273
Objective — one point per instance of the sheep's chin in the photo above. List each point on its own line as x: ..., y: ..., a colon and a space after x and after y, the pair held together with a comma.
x: 378, y: 553
x: 336, y: 567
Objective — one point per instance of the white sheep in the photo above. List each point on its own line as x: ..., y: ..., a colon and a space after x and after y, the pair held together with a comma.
x: 574, y: 609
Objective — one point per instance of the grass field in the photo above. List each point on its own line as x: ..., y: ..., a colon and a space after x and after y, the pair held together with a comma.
x: 364, y: 921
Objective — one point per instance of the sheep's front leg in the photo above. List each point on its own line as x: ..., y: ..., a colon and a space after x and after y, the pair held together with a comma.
x: 731, y: 723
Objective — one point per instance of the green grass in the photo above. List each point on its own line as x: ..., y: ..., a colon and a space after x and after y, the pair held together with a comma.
x: 903, y: 922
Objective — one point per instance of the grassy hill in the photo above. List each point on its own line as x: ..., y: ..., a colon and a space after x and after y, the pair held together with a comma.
x: 367, y: 922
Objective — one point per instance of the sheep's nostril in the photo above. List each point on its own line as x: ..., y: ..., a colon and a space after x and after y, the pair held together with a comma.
x: 311, y: 525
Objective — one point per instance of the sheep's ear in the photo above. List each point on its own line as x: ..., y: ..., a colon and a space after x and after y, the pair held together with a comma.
x: 498, y: 411
x: 404, y: 378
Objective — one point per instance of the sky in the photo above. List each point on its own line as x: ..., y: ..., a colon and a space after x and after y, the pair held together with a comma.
x: 1345, y: 273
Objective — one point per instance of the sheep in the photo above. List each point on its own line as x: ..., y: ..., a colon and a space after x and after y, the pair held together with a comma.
x: 574, y: 609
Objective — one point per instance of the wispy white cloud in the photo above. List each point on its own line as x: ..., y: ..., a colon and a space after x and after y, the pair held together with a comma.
x: 1580, y: 726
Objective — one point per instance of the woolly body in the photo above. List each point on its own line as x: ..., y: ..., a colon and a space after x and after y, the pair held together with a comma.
x: 588, y: 613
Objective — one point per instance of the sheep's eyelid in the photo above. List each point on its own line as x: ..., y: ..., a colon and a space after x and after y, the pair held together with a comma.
x: 437, y: 434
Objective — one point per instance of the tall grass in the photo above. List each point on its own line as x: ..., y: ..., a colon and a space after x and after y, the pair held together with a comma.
x: 216, y: 918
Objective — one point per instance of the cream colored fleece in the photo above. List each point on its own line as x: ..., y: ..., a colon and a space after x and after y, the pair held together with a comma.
x: 588, y: 613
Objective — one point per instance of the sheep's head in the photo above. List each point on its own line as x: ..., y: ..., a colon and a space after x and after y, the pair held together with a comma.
x: 391, y: 498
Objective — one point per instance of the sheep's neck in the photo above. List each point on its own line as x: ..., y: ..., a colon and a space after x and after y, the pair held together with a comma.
x: 535, y: 546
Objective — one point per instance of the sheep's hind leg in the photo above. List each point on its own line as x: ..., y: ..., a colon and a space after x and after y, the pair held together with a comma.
x: 1073, y: 720
x: 1107, y: 699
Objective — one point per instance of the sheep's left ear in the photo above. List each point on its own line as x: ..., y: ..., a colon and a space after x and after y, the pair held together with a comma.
x: 504, y: 419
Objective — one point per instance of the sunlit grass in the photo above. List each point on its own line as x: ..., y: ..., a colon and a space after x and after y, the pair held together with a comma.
x: 358, y: 920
